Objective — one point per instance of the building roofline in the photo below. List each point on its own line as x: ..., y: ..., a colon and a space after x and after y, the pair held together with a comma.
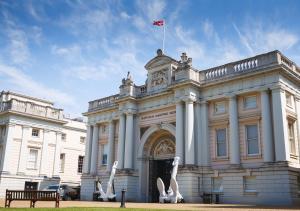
x: 26, y: 96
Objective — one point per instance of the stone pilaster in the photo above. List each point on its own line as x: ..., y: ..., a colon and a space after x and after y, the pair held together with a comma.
x: 282, y: 150
x: 204, y: 144
x: 121, y: 141
x: 179, y: 132
x: 128, y: 157
x: 7, y: 148
x: 24, y: 150
x: 111, y: 144
x: 95, y: 149
x: 234, y: 142
x: 57, y: 155
x: 87, y: 156
x: 268, y: 150
x: 189, y: 133
x: 44, y: 154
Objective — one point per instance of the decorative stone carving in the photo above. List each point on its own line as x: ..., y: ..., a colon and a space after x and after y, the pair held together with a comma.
x: 165, y: 147
x: 159, y: 78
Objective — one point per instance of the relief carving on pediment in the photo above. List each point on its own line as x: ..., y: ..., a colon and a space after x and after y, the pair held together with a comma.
x: 159, y: 78
x: 165, y: 147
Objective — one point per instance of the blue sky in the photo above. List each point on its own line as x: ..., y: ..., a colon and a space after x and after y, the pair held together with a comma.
x: 71, y: 52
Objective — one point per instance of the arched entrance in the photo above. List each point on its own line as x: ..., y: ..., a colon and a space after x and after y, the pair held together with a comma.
x: 156, y: 151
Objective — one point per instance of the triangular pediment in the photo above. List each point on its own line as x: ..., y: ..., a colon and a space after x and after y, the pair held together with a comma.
x: 159, y: 61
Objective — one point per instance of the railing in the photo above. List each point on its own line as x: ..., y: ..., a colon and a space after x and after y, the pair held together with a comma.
x: 140, y: 90
x: 103, y: 102
x: 31, y: 108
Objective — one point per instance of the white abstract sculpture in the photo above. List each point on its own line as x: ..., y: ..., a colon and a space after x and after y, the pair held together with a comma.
x: 173, y: 195
x: 109, y: 195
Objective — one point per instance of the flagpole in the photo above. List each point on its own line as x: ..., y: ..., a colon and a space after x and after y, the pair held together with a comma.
x: 164, y: 25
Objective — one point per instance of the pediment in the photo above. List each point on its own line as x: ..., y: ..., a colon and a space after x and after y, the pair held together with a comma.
x: 159, y: 61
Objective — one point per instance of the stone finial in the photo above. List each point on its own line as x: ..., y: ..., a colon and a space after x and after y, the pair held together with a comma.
x: 159, y: 52
x: 184, y: 57
x: 129, y: 77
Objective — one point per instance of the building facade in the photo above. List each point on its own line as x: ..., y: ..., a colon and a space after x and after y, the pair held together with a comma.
x: 38, y: 146
x: 235, y: 127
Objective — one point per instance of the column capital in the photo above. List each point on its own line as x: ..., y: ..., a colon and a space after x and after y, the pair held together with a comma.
x: 277, y: 88
x: 231, y: 96
x: 26, y: 126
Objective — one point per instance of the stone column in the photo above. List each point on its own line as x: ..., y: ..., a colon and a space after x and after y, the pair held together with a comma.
x: 24, y: 150
x: 128, y: 160
x: 94, y: 150
x: 205, y: 158
x: 87, y: 156
x: 297, y: 104
x: 7, y: 148
x: 268, y: 150
x: 111, y: 145
x: 189, y: 133
x: 57, y: 155
x: 44, y: 155
x: 198, y: 134
x: 179, y: 132
x: 280, y: 130
x: 121, y: 141
x: 234, y: 142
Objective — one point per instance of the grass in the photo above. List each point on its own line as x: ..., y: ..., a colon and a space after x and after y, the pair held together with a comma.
x: 81, y: 209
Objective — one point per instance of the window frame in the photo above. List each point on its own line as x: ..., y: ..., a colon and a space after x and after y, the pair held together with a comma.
x: 62, y: 165
x: 65, y: 137
x: 103, y: 154
x: 213, y: 182
x: 38, y: 132
x: 245, y: 100
x: 245, y: 184
x: 216, y: 142
x: 292, y: 123
x: 289, y: 98
x: 258, y: 139
x: 216, y: 105
x: 80, y: 164
x: 35, y: 162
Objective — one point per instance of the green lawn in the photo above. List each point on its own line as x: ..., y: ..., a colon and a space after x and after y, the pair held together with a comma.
x: 78, y: 209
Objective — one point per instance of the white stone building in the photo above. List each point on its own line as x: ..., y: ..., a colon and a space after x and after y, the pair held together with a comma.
x: 38, y: 146
x: 235, y: 127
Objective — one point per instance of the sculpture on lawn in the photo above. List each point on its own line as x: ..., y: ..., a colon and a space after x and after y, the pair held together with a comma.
x: 173, y: 195
x: 109, y: 195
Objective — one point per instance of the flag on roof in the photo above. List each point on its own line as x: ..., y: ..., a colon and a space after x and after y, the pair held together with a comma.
x: 158, y: 23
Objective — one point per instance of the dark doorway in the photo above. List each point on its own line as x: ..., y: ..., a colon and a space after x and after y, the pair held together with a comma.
x: 31, y: 186
x: 162, y: 169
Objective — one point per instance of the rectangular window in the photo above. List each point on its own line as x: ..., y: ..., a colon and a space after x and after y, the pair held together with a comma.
x: 250, y: 102
x: 35, y: 132
x: 62, y: 162
x: 80, y: 164
x: 104, y: 154
x: 249, y: 183
x: 221, y: 142
x: 289, y: 101
x: 220, y: 108
x: 82, y: 139
x: 298, y: 183
x: 252, y: 139
x: 64, y: 137
x: 292, y: 138
x: 217, y: 184
x: 32, y: 158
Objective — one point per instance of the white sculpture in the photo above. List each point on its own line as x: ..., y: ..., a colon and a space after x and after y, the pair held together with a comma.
x: 109, y: 195
x: 173, y: 195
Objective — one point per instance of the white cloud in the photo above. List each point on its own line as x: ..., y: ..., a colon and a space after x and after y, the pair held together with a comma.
x: 208, y: 28
x: 244, y: 39
x: 28, y: 85
x: 124, y: 15
x: 153, y: 10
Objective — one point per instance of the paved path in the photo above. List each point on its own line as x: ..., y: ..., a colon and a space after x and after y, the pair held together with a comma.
x: 209, y: 207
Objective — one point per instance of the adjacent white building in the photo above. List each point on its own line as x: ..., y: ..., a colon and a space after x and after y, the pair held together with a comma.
x: 236, y: 128
x: 38, y: 146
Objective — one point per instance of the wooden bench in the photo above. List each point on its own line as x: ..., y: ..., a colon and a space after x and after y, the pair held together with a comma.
x: 32, y: 196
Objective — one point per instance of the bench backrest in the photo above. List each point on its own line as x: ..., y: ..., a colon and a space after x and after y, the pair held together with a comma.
x: 32, y: 194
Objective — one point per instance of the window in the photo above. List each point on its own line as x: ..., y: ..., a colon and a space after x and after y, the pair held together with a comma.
x: 104, y: 154
x: 249, y: 184
x: 62, y: 163
x: 289, y: 101
x: 217, y: 184
x: 35, y: 132
x: 220, y: 108
x: 252, y: 139
x: 250, y: 102
x: 80, y: 164
x: 32, y: 159
x: 292, y: 138
x: 104, y: 129
x: 82, y: 139
x: 221, y: 142
x: 298, y: 183
x: 64, y: 137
